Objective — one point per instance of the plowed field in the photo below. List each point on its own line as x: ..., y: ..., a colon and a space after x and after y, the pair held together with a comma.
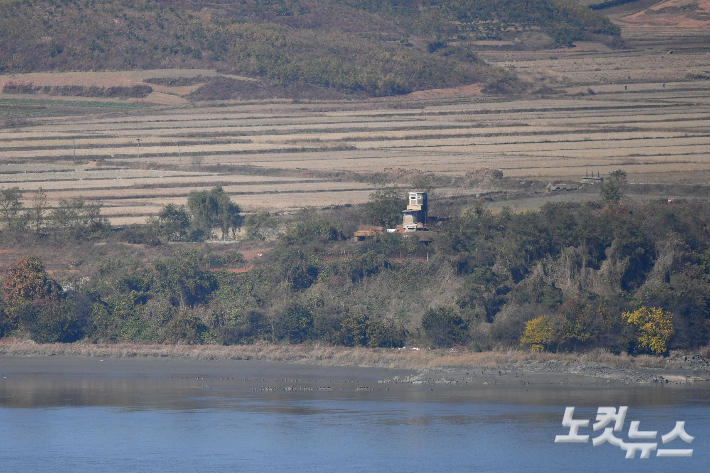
x: 591, y: 109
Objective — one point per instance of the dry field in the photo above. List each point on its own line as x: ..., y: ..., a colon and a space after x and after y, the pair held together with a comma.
x: 592, y: 109
x: 162, y: 94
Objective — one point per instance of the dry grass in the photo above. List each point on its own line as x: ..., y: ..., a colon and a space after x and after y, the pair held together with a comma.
x: 337, y: 356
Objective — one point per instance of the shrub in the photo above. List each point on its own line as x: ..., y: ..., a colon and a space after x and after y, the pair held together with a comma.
x: 444, y: 326
x: 141, y: 235
x: 28, y: 280
x: 539, y: 334
x: 259, y: 225
x: 249, y: 328
x: 655, y: 328
x: 300, y: 269
x: 308, y: 227
x: 229, y: 259
x: 184, y: 329
x: 172, y: 223
x: 435, y: 46
x: 385, y: 334
x: 20, y: 87
x: 385, y: 207
x: 53, y: 321
x: 295, y: 323
x: 183, y: 279
x: 612, y: 188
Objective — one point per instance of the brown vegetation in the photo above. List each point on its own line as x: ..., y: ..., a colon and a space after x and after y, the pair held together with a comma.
x: 405, y: 358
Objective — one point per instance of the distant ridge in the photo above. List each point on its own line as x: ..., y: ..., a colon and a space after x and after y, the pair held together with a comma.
x: 368, y: 47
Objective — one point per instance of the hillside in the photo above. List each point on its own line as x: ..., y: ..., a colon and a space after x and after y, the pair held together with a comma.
x: 370, y: 47
x: 568, y: 277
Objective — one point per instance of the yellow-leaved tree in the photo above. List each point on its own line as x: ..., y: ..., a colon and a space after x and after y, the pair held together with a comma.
x: 539, y: 334
x: 655, y: 328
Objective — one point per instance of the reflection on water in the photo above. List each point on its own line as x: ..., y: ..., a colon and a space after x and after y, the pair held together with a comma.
x: 59, y: 414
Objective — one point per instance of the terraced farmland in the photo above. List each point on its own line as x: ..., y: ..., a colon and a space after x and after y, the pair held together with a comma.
x: 137, y: 156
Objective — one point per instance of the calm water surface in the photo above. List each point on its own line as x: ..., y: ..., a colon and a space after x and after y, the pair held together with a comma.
x: 77, y: 415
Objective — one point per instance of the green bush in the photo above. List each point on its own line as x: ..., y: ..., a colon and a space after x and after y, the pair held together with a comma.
x: 184, y: 329
x: 54, y: 321
x: 354, y: 330
x: 249, y: 328
x: 612, y: 187
x: 295, y: 324
x: 173, y: 223
x: 309, y: 227
x: 444, y: 327
x: 141, y: 235
x: 385, y: 334
x: 385, y: 207
x: 185, y: 279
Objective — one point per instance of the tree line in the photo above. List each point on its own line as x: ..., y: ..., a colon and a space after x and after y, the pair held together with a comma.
x: 74, y: 218
x: 207, y: 213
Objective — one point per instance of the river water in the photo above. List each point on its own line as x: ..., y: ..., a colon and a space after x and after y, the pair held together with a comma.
x: 169, y: 415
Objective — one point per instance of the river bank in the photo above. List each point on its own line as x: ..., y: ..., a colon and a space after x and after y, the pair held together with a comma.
x: 451, y: 364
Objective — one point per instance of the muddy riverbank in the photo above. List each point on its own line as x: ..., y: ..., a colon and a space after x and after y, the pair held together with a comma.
x: 438, y: 367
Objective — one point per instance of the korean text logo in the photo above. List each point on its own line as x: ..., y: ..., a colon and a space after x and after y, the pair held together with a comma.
x: 605, y: 415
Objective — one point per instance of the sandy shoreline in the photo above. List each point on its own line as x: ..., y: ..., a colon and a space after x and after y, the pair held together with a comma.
x: 450, y: 366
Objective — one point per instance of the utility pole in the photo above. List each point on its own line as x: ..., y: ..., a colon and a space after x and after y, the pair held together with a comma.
x: 179, y: 155
x: 139, y: 148
x: 73, y: 140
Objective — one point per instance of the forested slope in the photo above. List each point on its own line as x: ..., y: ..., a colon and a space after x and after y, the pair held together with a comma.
x: 368, y: 46
x: 572, y: 276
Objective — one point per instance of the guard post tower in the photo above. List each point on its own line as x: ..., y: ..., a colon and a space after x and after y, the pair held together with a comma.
x: 415, y: 217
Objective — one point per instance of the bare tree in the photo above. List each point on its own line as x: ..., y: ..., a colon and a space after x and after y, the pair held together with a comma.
x: 38, y: 209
